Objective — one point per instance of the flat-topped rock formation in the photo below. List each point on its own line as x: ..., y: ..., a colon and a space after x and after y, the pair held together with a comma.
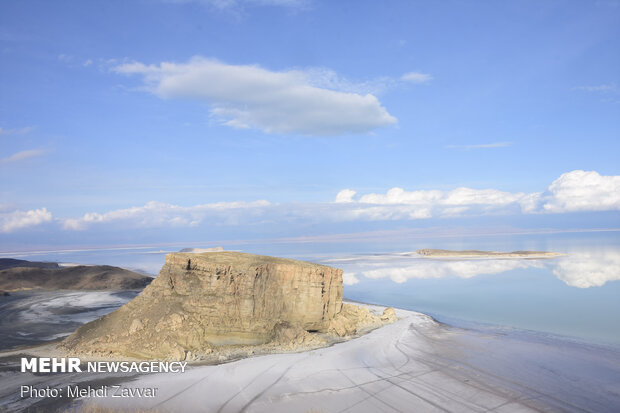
x: 435, y: 253
x: 202, y: 302
x: 25, y: 275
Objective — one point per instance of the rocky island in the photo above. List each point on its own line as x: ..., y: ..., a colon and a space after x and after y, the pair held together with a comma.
x: 221, y: 305
x: 436, y: 253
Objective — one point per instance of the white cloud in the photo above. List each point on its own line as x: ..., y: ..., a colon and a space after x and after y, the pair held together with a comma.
x: 158, y: 214
x: 16, y: 131
x: 571, y: 192
x: 582, y: 191
x: 530, y: 203
x: 457, y: 197
x: 243, y: 96
x: 400, y: 196
x: 488, y: 197
x: 22, y: 155
x: 481, y: 146
x: 398, y: 204
x: 328, y: 79
x: 345, y: 196
x: 416, y: 77
x: 11, y: 221
x: 381, y: 213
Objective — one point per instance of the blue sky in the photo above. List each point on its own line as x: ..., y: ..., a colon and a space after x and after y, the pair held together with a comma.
x: 156, y: 121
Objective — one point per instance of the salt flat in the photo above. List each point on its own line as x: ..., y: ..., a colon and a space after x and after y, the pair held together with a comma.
x: 413, y: 365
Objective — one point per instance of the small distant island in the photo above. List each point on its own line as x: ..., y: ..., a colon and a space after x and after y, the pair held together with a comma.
x: 17, y: 275
x: 201, y: 250
x: 437, y: 253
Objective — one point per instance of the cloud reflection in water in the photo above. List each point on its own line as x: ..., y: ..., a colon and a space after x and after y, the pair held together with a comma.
x: 588, y: 269
x: 582, y: 269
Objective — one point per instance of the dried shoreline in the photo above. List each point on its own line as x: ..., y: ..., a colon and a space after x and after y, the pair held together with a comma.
x: 415, y: 362
x: 223, y: 354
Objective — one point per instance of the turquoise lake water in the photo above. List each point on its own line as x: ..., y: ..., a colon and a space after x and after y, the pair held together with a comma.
x: 576, y: 295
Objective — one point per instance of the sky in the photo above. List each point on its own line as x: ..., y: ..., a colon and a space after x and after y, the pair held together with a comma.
x: 129, y: 122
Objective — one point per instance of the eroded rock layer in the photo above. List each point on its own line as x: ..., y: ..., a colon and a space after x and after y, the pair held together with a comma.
x: 200, y: 301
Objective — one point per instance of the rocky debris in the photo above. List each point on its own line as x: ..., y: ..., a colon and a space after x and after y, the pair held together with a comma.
x: 389, y: 315
x: 79, y: 277
x: 204, y: 301
x: 136, y: 325
x: 353, y: 320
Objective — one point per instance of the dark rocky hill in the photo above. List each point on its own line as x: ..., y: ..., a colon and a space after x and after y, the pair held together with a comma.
x: 80, y: 277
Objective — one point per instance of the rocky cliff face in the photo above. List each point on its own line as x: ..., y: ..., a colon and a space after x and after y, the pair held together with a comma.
x: 200, y: 301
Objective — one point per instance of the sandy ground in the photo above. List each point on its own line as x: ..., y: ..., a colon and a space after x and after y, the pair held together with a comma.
x: 413, y: 365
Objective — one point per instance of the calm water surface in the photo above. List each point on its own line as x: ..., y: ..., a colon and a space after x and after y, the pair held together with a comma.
x: 577, y: 295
